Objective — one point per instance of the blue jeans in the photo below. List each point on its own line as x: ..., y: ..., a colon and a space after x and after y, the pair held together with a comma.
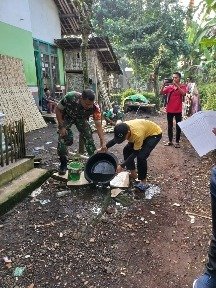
x: 211, y: 265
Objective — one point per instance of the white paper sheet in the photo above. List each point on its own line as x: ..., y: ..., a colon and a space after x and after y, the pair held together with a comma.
x: 198, y: 130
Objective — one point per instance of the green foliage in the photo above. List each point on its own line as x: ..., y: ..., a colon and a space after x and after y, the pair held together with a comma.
x: 150, y: 33
x: 201, y: 38
x: 116, y: 98
x: 150, y: 96
x: 208, y: 96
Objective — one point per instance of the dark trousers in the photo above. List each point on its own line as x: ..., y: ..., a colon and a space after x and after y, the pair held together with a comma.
x: 84, y: 128
x: 148, y: 145
x: 178, y: 118
x: 211, y: 265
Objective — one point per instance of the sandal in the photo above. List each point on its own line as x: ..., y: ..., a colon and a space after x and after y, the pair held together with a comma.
x: 168, y: 144
x: 177, y: 145
x: 142, y: 187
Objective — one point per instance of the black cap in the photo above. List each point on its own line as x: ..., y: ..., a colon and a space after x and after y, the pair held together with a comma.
x: 120, y: 132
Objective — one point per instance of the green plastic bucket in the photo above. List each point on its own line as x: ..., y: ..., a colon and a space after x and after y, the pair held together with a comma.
x: 74, y: 170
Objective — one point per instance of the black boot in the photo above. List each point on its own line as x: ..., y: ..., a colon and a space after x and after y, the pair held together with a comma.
x: 63, y: 165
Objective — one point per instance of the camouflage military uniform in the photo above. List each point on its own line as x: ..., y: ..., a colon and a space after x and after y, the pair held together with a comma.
x: 74, y: 113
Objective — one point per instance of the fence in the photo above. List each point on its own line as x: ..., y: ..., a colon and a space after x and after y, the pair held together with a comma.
x: 12, y: 142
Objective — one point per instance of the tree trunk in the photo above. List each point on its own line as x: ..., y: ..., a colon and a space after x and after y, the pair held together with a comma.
x: 156, y: 88
x: 84, y: 54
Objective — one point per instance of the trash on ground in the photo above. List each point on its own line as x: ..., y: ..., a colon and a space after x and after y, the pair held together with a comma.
x: 153, y: 190
x: 192, y: 219
x: 96, y: 210
x: 39, y: 148
x: 18, y: 271
x: 36, y: 192
x: 176, y: 204
x: 62, y: 193
x: 124, y: 200
x: 8, y: 262
x: 49, y: 142
x: 43, y: 202
x: 152, y: 212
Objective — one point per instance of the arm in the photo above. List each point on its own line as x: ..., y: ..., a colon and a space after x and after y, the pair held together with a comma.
x: 100, y: 134
x: 182, y: 91
x: 110, y: 143
x: 60, y: 120
x: 162, y: 90
x: 130, y: 158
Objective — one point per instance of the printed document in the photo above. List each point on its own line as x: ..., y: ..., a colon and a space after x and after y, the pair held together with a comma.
x: 198, y: 130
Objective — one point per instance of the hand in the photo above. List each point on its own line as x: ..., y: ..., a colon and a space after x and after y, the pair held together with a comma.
x: 119, y: 169
x: 63, y: 132
x: 175, y: 83
x: 214, y: 131
x: 102, y: 149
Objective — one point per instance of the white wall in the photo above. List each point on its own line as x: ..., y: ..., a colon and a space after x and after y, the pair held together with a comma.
x: 45, y: 20
x: 16, y: 13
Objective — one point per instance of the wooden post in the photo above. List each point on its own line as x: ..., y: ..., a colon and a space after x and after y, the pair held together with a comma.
x: 11, y: 142
x: 6, y: 144
x: 23, y: 138
x: 18, y: 138
x: 15, y: 141
x: 1, y: 147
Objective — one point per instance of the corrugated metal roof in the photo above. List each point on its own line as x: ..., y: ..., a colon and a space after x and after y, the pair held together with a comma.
x: 104, y: 49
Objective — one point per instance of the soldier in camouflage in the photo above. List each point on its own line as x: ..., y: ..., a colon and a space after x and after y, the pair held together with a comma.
x: 75, y: 108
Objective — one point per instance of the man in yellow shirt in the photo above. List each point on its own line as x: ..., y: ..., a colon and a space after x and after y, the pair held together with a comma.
x: 143, y: 136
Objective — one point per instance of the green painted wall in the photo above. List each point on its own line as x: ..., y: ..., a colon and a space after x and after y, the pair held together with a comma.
x: 61, y: 66
x: 18, y: 43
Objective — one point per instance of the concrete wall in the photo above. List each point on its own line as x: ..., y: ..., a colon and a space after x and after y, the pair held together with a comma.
x: 20, y: 22
x: 16, y: 13
x: 18, y: 43
x: 45, y: 20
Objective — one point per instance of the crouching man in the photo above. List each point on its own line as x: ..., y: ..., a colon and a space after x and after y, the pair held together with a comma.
x: 142, y: 136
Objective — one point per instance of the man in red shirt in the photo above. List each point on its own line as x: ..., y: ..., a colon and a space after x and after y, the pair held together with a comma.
x: 175, y: 94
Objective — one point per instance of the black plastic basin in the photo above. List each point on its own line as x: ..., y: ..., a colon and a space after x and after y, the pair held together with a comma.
x: 101, y: 168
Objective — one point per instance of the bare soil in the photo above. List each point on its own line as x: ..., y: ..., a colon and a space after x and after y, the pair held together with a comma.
x: 87, y: 239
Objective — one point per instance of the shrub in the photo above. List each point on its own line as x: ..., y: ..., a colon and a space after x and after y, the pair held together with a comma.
x: 150, y: 96
x: 116, y: 98
x: 128, y: 92
x: 208, y: 96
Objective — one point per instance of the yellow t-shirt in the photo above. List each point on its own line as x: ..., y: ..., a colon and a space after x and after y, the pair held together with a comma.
x: 140, y: 130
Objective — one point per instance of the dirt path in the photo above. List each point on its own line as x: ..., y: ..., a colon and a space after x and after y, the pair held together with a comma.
x: 70, y: 242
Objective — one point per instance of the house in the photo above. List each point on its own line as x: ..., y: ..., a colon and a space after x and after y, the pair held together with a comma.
x: 28, y: 29
x: 102, y: 63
